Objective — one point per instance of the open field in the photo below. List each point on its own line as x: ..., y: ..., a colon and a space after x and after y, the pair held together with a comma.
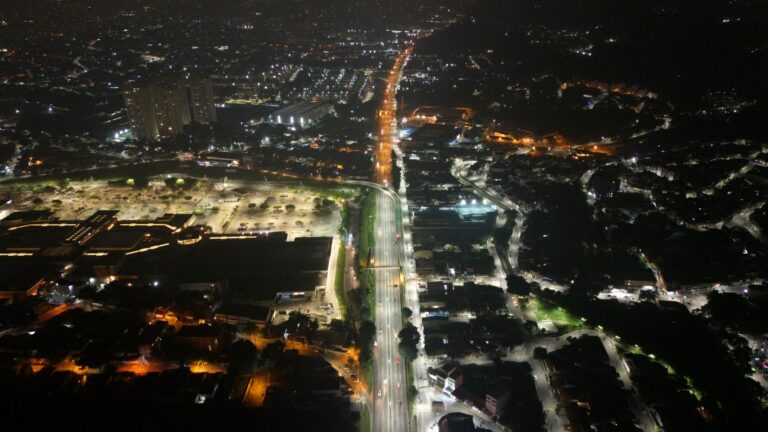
x: 543, y: 311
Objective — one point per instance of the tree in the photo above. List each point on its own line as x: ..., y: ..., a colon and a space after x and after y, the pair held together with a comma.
x: 170, y: 182
x: 365, y: 337
x: 366, y: 333
x: 337, y: 325
x: 737, y: 311
x: 517, y: 285
x: 740, y: 351
x: 531, y: 326
x: 408, y: 352
x: 241, y: 354
x: 540, y: 353
x: 273, y: 351
x: 138, y: 182
x: 409, y: 339
x: 94, y: 355
x: 412, y: 393
x: 301, y: 324
x: 290, y: 208
x: 648, y: 295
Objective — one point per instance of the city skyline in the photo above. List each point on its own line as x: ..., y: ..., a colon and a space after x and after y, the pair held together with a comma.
x: 384, y: 216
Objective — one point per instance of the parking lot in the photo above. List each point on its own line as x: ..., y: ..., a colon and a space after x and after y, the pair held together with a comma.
x: 226, y: 206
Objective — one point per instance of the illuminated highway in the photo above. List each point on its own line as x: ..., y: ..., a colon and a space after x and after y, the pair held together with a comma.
x: 388, y: 120
x: 390, y: 406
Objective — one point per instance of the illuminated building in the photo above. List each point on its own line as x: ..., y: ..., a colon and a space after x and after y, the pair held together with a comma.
x: 160, y: 108
x: 171, y: 106
x: 301, y: 114
x: 140, y: 111
x: 201, y: 99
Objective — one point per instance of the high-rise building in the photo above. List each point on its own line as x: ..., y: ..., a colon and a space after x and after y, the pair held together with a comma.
x: 161, y: 107
x: 141, y: 111
x: 171, y: 106
x: 201, y: 98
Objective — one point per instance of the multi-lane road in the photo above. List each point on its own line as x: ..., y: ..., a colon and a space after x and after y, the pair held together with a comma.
x: 390, y: 406
x: 388, y: 121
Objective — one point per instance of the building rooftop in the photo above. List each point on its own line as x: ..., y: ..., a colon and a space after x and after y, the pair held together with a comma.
x: 19, y: 277
x: 33, y: 238
x: 456, y: 422
x: 28, y: 216
x: 254, y: 312
x: 199, y: 331
x: 117, y: 240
